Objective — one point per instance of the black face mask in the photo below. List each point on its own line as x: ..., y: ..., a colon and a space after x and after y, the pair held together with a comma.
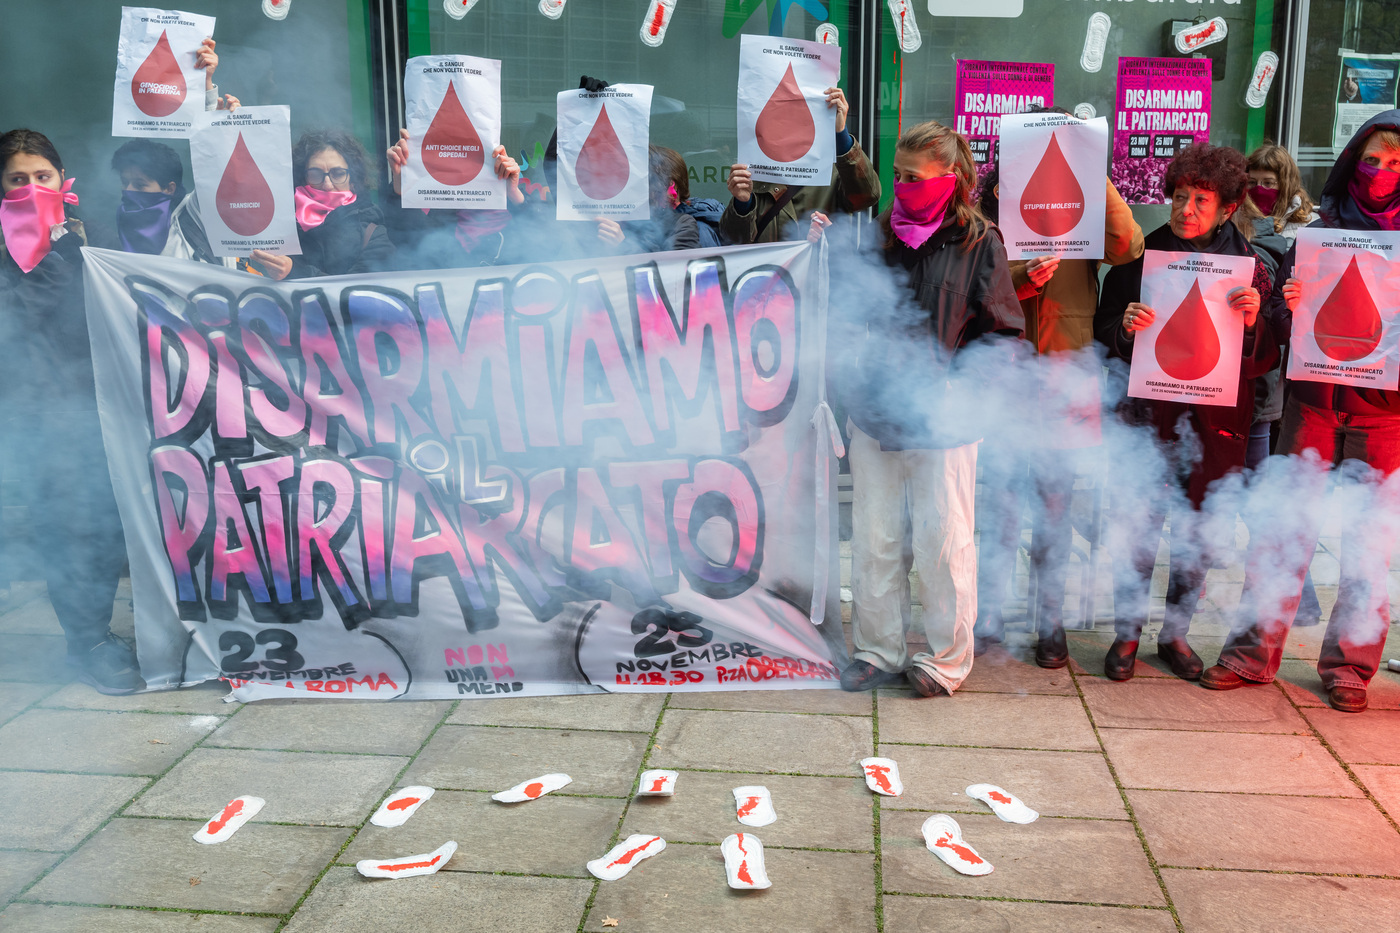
x: 143, y: 220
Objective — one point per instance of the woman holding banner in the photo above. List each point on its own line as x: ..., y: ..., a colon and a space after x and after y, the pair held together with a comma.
x: 909, y: 393
x: 1206, y: 185
x: 1327, y: 425
x: 48, y: 409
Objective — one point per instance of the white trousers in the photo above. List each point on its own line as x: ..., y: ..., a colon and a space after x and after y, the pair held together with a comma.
x: 936, y: 489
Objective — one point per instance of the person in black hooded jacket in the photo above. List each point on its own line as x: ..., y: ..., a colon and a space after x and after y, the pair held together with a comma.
x: 341, y: 229
x: 1354, y: 430
x: 1206, y: 185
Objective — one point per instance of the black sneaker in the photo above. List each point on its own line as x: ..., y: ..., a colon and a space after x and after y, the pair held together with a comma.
x: 863, y: 676
x: 109, y: 667
x: 924, y: 684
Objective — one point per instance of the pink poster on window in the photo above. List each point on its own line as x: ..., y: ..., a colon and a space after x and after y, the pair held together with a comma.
x: 987, y: 90
x: 1163, y: 107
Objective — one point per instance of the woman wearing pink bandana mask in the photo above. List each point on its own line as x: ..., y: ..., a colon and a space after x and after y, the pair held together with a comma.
x: 341, y: 228
x: 1355, y: 430
x: 48, y: 410
x: 913, y: 420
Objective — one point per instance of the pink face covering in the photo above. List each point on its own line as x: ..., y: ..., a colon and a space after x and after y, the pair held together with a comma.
x: 920, y: 206
x: 1377, y: 193
x: 1264, y: 198
x: 313, y: 204
x: 27, y: 216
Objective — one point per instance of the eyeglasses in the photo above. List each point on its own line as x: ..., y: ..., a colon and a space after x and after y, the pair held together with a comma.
x: 316, y: 176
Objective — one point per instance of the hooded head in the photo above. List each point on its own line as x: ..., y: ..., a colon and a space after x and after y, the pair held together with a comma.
x: 1338, y: 208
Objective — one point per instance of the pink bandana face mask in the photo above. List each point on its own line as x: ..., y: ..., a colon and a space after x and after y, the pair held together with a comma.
x: 920, y: 206
x: 27, y: 216
x: 313, y: 204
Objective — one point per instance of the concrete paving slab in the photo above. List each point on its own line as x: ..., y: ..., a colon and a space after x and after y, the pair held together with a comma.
x: 15, y: 698
x: 99, y: 743
x: 205, y: 699
x: 46, y: 918
x: 1383, y: 781
x: 904, y: 914
x: 55, y: 811
x: 813, y: 812
x: 1253, y: 902
x: 1226, y: 762
x: 155, y: 863
x: 614, y: 712
x: 1197, y: 830
x: 1094, y: 861
x: 1303, y: 685
x: 299, y: 787
x: 988, y: 720
x: 34, y: 659
x: 762, y: 742
x: 683, y: 888
x: 492, y: 759
x: 1179, y: 705
x: 365, y: 727
x: 1011, y: 670
x: 834, y: 702
x: 1372, y: 737
x: 1053, y: 783
x: 343, y: 902
x: 18, y: 869
x: 553, y: 835
x: 33, y: 617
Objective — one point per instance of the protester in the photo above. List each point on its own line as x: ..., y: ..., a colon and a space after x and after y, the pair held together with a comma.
x: 50, y: 409
x: 1206, y: 185
x: 341, y: 229
x: 943, y: 284
x: 1058, y: 298
x: 1276, y: 188
x: 706, y: 212
x: 669, y: 228
x: 1354, y: 431
x: 764, y: 212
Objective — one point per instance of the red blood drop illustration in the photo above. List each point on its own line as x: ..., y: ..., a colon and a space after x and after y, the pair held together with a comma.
x: 626, y: 857
x: 1348, y: 325
x: 452, y: 151
x: 243, y: 198
x: 158, y: 87
x: 403, y: 804
x: 217, y: 824
x: 1188, y: 346
x: 534, y: 790
x: 749, y: 806
x: 1053, y: 201
x: 602, y: 169
x: 404, y: 866
x: 963, y: 852
x: 999, y: 798
x: 784, y: 128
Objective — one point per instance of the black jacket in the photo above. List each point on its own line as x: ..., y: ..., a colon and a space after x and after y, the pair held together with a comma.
x: 352, y: 238
x: 900, y: 328
x: 43, y: 330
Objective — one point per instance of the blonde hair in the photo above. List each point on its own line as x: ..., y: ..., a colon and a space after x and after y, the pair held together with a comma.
x: 941, y: 144
x: 1270, y: 157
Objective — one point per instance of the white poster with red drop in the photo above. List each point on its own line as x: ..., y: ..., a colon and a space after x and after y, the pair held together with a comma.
x: 159, y: 91
x: 242, y: 165
x: 603, y: 162
x: 1345, y: 326
x: 1191, y: 352
x: 1054, y: 170
x: 453, y: 106
x: 787, y: 132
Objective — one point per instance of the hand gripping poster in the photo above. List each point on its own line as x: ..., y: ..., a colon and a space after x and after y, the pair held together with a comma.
x: 453, y: 107
x: 987, y: 91
x: 603, y: 161
x: 242, y: 165
x: 1344, y: 328
x: 1053, y: 189
x: 1163, y: 107
x: 787, y: 132
x: 159, y: 91
x: 582, y: 477
x: 1191, y: 352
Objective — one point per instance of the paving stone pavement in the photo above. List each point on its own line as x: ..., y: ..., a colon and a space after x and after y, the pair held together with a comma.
x: 1163, y: 807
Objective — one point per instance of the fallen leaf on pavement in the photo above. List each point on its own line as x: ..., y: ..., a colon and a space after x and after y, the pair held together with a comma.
x: 609, y: 922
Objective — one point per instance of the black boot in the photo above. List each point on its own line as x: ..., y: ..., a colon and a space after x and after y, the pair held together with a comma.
x: 1051, y: 651
x: 1121, y: 659
x: 1183, y: 661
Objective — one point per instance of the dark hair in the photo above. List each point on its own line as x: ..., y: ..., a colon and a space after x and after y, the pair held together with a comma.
x: 29, y: 142
x: 156, y: 161
x: 356, y: 159
x: 987, y: 201
x: 667, y: 165
x: 1215, y: 168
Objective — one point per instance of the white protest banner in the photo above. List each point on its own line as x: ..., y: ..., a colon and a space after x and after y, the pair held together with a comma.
x: 603, y: 162
x: 1191, y: 352
x: 242, y: 165
x: 558, y: 487
x: 159, y: 91
x: 1345, y: 327
x: 1054, y: 171
x: 453, y: 106
x: 787, y: 133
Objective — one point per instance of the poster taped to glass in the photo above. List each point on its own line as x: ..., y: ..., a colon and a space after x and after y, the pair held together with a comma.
x: 1365, y: 87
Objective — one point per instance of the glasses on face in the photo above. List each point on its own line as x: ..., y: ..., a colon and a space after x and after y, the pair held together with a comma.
x: 317, y: 176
